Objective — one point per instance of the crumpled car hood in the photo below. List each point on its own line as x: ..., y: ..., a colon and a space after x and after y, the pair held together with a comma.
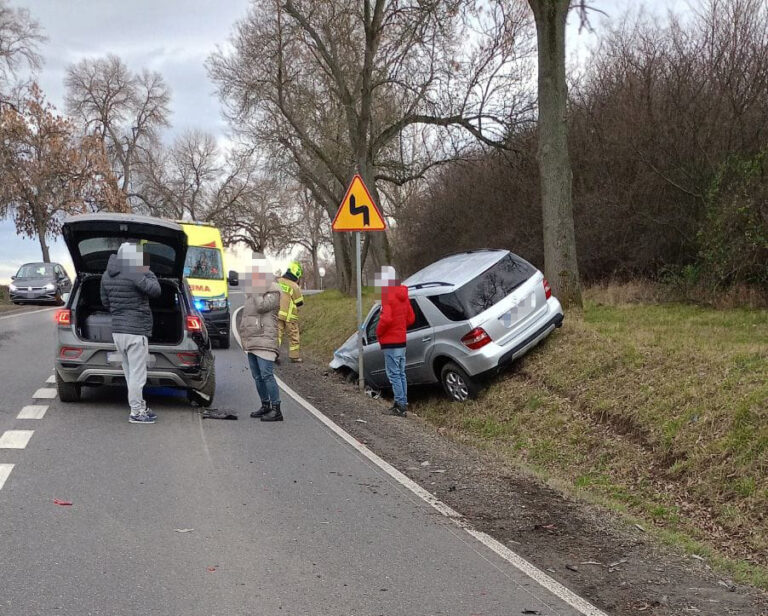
x: 346, y: 355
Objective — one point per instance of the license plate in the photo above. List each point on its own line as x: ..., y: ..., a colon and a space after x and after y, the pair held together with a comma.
x: 117, y: 358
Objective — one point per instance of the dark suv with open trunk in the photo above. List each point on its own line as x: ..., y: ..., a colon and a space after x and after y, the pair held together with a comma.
x: 179, y: 348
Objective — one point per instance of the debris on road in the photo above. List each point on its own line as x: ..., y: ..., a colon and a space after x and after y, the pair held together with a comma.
x: 217, y: 414
x: 183, y: 530
x: 211, y: 569
x: 591, y: 562
x: 531, y: 612
x: 617, y: 563
x: 361, y: 421
x: 640, y: 528
x: 425, y: 463
x: 61, y: 503
x: 572, y: 568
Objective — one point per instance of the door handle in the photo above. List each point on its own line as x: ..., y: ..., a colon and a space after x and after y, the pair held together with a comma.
x: 426, y: 339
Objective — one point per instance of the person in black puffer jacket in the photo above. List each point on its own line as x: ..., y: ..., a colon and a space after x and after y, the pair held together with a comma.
x: 126, y: 287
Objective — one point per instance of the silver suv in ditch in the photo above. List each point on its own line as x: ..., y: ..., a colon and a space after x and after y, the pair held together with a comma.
x: 180, y: 353
x: 475, y: 312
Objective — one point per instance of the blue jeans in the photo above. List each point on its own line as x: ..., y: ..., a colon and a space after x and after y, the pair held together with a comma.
x: 394, y: 362
x: 263, y: 372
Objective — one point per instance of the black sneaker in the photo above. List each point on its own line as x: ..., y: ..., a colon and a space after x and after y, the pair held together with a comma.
x: 396, y: 411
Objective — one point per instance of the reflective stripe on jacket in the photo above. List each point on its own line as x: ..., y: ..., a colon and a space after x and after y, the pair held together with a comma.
x: 290, y: 299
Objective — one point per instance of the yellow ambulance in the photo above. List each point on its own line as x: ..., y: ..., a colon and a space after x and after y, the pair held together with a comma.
x: 205, y: 273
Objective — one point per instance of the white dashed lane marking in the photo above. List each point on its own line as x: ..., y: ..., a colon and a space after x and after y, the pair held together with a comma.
x: 51, y: 379
x: 5, y: 471
x: 34, y: 411
x: 15, y: 439
x: 45, y: 392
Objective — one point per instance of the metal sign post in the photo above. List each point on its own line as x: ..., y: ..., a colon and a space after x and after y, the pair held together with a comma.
x: 357, y: 213
x: 359, y: 252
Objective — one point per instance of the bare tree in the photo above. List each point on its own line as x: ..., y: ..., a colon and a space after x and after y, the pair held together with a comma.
x: 560, y: 263
x: 125, y: 108
x: 309, y: 228
x: 180, y: 181
x: 20, y: 36
x: 334, y: 88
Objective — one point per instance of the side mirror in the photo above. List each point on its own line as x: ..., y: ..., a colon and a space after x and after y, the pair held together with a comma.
x: 13, y: 277
x: 233, y: 278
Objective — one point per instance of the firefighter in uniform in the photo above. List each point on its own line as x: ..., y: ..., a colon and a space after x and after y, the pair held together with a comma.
x: 288, y: 317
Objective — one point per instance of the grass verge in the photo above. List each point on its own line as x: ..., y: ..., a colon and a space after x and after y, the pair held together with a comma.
x: 659, y: 412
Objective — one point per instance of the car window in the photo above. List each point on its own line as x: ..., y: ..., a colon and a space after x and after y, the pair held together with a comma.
x: 35, y: 270
x: 421, y: 321
x: 370, y: 329
x: 485, y: 290
x: 96, y: 251
x: 203, y: 263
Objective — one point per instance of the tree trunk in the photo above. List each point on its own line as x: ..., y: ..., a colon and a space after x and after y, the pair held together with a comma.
x: 345, y: 267
x: 560, y: 263
x: 44, y: 247
x: 315, y: 274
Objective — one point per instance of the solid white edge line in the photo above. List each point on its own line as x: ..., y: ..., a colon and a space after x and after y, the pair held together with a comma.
x: 5, y: 472
x: 33, y: 411
x: 51, y: 379
x: 517, y: 561
x: 23, y: 314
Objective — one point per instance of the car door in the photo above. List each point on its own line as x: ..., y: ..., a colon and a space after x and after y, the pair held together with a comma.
x: 65, y: 284
x: 373, y: 356
x: 417, y: 346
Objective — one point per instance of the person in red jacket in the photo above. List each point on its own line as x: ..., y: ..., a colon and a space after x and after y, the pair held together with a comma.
x: 396, y: 316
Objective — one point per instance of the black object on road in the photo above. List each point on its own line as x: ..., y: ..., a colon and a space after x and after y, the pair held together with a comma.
x: 217, y: 414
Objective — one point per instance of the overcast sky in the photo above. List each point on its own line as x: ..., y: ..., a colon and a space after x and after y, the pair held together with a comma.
x: 173, y: 37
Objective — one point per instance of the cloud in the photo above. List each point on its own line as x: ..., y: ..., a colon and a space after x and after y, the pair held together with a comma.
x: 173, y: 37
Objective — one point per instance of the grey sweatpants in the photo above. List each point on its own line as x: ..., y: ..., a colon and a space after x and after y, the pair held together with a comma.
x: 134, y: 350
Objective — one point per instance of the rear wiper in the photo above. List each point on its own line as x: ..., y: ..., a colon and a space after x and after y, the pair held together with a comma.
x: 424, y: 285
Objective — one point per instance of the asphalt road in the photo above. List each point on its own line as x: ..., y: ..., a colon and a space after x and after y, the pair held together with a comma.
x: 286, y: 518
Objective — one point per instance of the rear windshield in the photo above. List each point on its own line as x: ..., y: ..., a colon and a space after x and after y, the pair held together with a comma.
x: 35, y: 270
x: 96, y: 251
x: 487, y: 289
x: 203, y: 263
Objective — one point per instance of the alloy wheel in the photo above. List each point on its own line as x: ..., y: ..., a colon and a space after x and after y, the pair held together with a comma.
x: 457, y: 387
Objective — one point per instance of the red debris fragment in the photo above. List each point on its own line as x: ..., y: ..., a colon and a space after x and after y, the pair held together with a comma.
x: 61, y: 503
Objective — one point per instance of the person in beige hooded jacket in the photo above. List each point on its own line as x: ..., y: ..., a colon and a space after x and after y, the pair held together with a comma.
x: 258, y: 331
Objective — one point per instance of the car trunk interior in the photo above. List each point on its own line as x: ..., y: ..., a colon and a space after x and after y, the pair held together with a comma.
x: 92, y: 321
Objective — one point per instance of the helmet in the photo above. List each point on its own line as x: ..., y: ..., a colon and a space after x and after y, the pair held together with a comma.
x: 296, y: 269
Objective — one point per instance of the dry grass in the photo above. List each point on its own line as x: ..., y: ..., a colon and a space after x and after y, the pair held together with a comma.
x: 660, y: 411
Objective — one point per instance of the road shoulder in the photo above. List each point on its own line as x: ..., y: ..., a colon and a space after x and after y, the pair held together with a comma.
x: 590, y: 551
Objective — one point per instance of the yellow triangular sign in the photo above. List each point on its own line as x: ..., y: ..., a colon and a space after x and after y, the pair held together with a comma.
x: 358, y: 212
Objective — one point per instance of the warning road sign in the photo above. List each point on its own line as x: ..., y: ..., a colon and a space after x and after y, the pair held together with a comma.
x: 358, y: 212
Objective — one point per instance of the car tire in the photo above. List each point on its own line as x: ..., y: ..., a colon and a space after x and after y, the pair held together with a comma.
x: 224, y: 342
x: 68, y: 392
x: 457, y: 384
x: 209, y: 389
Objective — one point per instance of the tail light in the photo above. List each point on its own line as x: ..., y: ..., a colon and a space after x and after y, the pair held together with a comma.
x: 476, y: 339
x: 547, y: 289
x: 194, y: 323
x: 70, y: 352
x: 63, y: 317
x: 188, y: 359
